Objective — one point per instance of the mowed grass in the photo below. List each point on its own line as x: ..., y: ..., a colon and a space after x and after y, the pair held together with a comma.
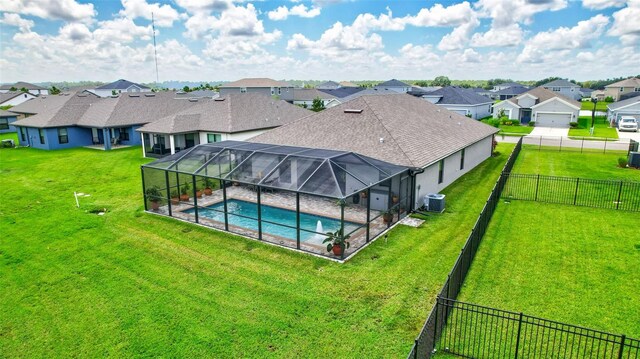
x: 132, y: 284
x: 9, y: 136
x: 601, y: 128
x: 588, y: 105
x: 573, y: 164
x: 570, y: 264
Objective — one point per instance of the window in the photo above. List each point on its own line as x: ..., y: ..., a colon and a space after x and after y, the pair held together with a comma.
x: 124, y: 134
x: 556, y: 89
x: 279, y: 91
x: 63, y: 136
x: 243, y: 89
x: 273, y: 91
x: 440, y: 171
x: 637, y: 89
x: 214, y: 137
x: 621, y: 89
x: 462, y: 159
x: 4, y: 123
x: 23, y: 134
x: 41, y: 134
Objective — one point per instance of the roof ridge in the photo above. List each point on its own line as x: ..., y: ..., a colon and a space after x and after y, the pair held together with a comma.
x: 364, y: 98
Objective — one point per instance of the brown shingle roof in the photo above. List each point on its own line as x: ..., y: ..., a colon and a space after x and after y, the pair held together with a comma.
x: 632, y: 82
x: 399, y: 129
x: 543, y: 95
x: 230, y: 114
x: 255, y: 82
x: 305, y: 95
x: 20, y: 85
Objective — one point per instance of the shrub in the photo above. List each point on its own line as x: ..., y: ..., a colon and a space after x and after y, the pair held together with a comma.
x: 622, y: 162
x: 494, y: 122
x: 573, y: 124
x: 608, y: 99
x: 532, y: 123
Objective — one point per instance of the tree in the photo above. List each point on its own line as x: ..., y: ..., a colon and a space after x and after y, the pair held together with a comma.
x: 544, y: 81
x: 441, y: 81
x: 24, y: 89
x: 421, y: 83
x: 114, y: 93
x: 13, y: 89
x: 317, y: 105
x: 186, y: 89
x: 54, y: 90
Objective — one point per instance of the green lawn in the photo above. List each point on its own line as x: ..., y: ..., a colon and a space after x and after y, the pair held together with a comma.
x: 600, y: 106
x: 133, y: 284
x: 11, y: 135
x: 515, y: 129
x: 571, y: 264
x: 601, y: 128
x: 573, y: 164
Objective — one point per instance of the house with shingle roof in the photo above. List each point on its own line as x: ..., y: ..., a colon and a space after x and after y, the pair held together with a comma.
x: 505, y: 85
x: 617, y: 89
x: 394, y: 85
x: 328, y: 85
x: 565, y: 88
x: 7, y: 118
x: 438, y: 145
x: 118, y: 87
x: 14, y: 98
x: 305, y: 97
x: 231, y: 117
x: 31, y: 88
x: 262, y: 85
x: 629, y: 107
x: 547, y: 108
x: 460, y: 100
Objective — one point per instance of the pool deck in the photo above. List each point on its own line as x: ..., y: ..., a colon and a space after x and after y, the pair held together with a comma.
x: 319, y: 206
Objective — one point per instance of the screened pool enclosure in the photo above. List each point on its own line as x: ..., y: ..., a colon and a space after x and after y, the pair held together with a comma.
x: 296, y: 197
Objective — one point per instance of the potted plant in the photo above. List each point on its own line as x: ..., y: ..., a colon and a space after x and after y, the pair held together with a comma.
x: 394, y: 197
x: 198, y: 193
x: 337, y: 243
x: 208, y: 183
x: 154, y: 195
x: 175, y: 197
x: 184, y: 192
x: 387, y: 216
x: 363, y: 194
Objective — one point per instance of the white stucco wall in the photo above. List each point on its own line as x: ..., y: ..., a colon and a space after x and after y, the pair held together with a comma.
x: 510, y: 110
x: 526, y: 102
x: 18, y: 99
x: 427, y: 182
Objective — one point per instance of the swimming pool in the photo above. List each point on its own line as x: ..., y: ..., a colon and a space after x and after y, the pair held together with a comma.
x: 308, y: 221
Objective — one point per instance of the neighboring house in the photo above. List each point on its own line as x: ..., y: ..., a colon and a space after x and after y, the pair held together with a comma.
x: 419, y: 91
x: 597, y: 94
x: 7, y: 119
x: 329, y: 85
x: 232, y: 117
x: 629, y: 95
x: 460, y: 100
x: 305, y: 97
x: 584, y: 92
x: 483, y: 92
x: 82, y: 119
x: 260, y: 85
x: 368, y: 92
x: 628, y: 107
x: 348, y: 84
x: 438, y: 145
x: 623, y: 87
x: 343, y: 92
x: 31, y: 88
x: 508, y: 92
x: 394, y: 85
x: 15, y: 98
x: 197, y: 94
x: 119, y: 87
x: 564, y: 88
x: 547, y: 108
x: 506, y: 85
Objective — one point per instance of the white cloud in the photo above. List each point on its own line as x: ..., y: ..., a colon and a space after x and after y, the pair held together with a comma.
x: 507, y: 12
x: 470, y: 55
x: 10, y: 19
x: 164, y: 15
x: 121, y: 30
x: 507, y: 36
x: 459, y: 37
x: 234, y: 21
x: 195, y: 6
x: 602, y: 4
x: 337, y: 39
x: 626, y: 24
x: 543, y: 44
x: 440, y: 16
x: 282, y: 12
x: 67, y: 10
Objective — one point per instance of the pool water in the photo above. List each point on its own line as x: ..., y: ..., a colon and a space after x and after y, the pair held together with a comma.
x: 308, y: 221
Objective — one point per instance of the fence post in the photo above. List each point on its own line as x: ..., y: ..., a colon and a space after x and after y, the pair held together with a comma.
x: 605, y: 145
x: 582, y: 145
x: 518, y: 337
x: 621, y: 346
x: 575, y: 196
x: 415, y: 350
x: 537, y: 185
x: 560, y: 144
x: 619, y: 194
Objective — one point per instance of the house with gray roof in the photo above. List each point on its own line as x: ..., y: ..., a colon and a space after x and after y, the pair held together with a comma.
x: 14, y: 98
x: 231, y: 117
x: 628, y: 107
x: 118, y: 87
x: 547, y: 108
x: 343, y: 92
x: 305, y: 97
x: 328, y: 85
x: 31, y: 88
x: 460, y: 100
x: 370, y: 92
x: 509, y: 92
x: 565, y: 88
x: 437, y: 144
x: 394, y: 85
x: 262, y: 85
x: 618, y: 89
x: 505, y: 85
x: 7, y: 118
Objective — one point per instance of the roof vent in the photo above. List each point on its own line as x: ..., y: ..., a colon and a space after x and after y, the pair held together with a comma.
x: 352, y: 110
x: 219, y: 99
x: 149, y: 95
x: 193, y: 99
x: 134, y: 95
x: 381, y: 139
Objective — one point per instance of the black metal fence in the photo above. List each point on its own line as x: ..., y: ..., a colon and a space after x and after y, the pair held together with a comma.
x: 580, y: 144
x: 622, y: 195
x: 475, y: 331
x: 426, y: 340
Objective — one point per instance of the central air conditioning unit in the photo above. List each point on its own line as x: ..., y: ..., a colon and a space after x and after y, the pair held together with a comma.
x: 634, y: 159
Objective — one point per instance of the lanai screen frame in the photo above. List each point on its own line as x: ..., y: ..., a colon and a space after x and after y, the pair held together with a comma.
x: 212, y: 152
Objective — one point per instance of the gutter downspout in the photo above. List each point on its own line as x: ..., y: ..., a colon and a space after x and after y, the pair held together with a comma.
x: 413, y: 172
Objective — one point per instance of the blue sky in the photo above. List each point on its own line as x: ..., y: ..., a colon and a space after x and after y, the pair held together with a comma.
x: 211, y: 40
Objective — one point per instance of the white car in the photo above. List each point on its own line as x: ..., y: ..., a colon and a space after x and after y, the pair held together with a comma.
x: 628, y: 123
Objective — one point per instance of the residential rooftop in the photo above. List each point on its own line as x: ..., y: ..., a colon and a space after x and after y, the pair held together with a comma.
x: 306, y: 95
x: 255, y: 82
x: 624, y: 103
x: 19, y: 85
x: 560, y: 83
x: 121, y: 84
x: 342, y: 92
x: 393, y: 83
x: 542, y: 95
x: 630, y: 82
x: 454, y: 95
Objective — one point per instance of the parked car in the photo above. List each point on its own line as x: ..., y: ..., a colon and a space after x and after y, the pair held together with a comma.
x: 628, y: 123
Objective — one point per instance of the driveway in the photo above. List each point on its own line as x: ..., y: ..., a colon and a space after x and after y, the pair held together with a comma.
x: 550, y: 131
x: 631, y: 135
